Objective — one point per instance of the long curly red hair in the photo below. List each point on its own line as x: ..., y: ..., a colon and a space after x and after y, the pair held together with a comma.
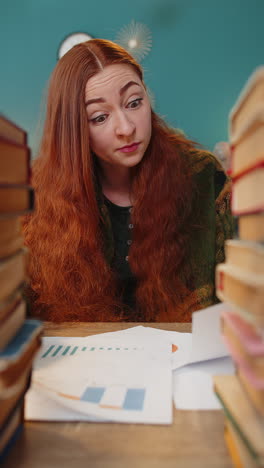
x: 70, y: 278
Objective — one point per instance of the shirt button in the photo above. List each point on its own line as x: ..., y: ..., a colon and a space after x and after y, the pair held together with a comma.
x: 129, y: 242
x: 126, y: 258
x: 130, y: 210
x: 131, y: 226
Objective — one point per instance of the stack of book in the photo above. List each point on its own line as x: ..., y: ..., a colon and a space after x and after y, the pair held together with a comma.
x: 240, y: 282
x: 19, y: 338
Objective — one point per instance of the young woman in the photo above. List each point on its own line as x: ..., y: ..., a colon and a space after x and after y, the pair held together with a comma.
x: 130, y: 217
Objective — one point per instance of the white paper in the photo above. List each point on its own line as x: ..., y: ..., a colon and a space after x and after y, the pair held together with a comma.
x: 193, y: 384
x: 147, y: 365
x: 182, y: 341
x: 207, y: 342
x: 39, y: 406
x: 111, y: 380
x: 204, y: 343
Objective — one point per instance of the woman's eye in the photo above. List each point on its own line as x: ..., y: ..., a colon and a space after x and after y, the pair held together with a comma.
x: 99, y: 119
x: 135, y: 103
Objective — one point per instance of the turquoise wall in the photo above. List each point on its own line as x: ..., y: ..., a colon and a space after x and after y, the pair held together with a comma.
x: 203, y: 52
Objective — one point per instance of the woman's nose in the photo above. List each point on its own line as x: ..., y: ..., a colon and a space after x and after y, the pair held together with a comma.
x: 124, y: 125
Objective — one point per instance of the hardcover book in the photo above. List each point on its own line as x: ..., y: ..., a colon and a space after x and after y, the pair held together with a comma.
x: 10, y: 396
x: 247, y: 191
x: 254, y: 392
x: 13, y: 271
x: 11, y: 429
x: 11, y: 238
x: 18, y: 355
x: 247, y: 149
x: 11, y: 322
x: 251, y: 366
x: 14, y: 162
x: 10, y: 302
x: 241, y: 414
x: 11, y: 131
x: 251, y: 227
x: 246, y: 121
x: 240, y: 455
x: 16, y: 199
x: 246, y: 255
x: 244, y: 340
x: 242, y: 289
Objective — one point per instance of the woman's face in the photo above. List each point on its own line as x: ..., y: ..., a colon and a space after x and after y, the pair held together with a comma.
x: 119, y: 116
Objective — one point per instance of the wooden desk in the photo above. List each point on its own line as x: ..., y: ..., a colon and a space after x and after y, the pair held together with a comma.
x: 195, y: 439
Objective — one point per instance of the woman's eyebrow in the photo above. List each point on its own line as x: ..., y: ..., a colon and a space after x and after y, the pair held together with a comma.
x: 121, y: 92
x: 126, y: 86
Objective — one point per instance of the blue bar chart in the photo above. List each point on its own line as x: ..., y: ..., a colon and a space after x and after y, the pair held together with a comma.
x: 67, y: 350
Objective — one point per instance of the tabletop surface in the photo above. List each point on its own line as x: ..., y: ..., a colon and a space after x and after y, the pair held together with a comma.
x: 195, y: 439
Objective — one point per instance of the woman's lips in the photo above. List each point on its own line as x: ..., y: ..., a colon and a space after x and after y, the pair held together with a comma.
x: 130, y: 148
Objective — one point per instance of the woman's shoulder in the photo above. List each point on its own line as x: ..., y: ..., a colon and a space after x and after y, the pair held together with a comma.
x: 201, y: 160
x: 207, y: 171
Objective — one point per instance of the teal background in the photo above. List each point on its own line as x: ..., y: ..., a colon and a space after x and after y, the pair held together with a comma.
x: 203, y: 52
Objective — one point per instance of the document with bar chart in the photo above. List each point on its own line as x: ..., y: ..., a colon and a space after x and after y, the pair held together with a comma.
x: 104, y: 380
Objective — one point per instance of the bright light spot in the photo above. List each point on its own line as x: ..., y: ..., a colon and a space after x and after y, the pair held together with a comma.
x: 132, y: 43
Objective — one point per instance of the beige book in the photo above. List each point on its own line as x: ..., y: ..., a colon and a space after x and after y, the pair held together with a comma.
x: 232, y: 447
x: 248, y: 193
x: 250, y: 98
x: 254, y: 321
x: 248, y: 144
x: 241, y: 457
x: 255, y: 395
x: 244, y: 344
x: 242, y: 414
x: 241, y: 288
x: 246, y: 255
x: 251, y: 227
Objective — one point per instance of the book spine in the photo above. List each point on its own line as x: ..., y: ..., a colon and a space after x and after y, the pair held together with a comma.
x: 231, y: 161
x: 251, y: 341
x: 255, y: 380
x: 248, y: 170
x: 31, y: 200
x: 12, y: 428
x: 22, y: 133
x: 19, y: 403
x: 15, y: 436
x: 255, y: 207
x: 25, y: 149
x: 251, y: 211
